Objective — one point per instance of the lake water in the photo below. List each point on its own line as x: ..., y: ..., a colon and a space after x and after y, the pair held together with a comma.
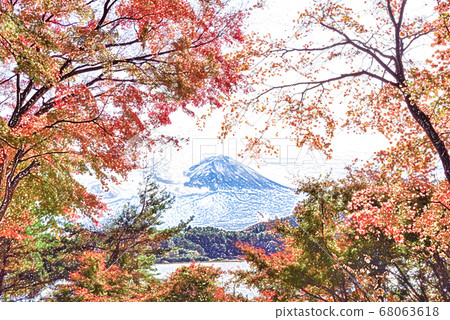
x: 164, y: 270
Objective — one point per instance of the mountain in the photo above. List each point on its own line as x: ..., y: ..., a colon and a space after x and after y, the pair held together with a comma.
x: 229, y: 195
x: 224, y: 173
x: 219, y: 192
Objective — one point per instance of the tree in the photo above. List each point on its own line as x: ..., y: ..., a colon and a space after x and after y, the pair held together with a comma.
x: 370, y: 236
x: 89, y: 260
x: 83, y: 83
x: 382, y: 59
x: 131, y: 239
x: 32, y: 259
x: 194, y: 283
x: 311, y: 266
x: 95, y: 282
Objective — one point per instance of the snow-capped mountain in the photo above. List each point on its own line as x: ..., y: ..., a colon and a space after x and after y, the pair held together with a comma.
x: 225, y: 173
x: 229, y: 195
x: 218, y: 192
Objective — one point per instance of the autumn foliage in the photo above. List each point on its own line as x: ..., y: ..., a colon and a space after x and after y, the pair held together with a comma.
x: 95, y: 283
x: 382, y: 232
x: 359, y: 241
x: 84, y: 86
x: 377, y: 66
x: 193, y: 283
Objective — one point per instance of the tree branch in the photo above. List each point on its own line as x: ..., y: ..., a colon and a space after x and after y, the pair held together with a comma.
x: 362, y: 49
x: 317, y: 84
x: 12, y: 181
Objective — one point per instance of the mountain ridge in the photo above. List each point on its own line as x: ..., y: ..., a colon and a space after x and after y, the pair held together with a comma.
x: 225, y: 173
x: 235, y: 197
x: 220, y: 192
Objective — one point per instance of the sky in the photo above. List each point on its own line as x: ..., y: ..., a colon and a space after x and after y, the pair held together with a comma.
x: 291, y: 163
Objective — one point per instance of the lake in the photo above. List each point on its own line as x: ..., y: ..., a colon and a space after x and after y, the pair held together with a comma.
x: 163, y: 271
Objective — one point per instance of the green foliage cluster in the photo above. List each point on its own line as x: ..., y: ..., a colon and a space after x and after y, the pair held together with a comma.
x: 209, y: 243
x: 337, y: 253
x: 42, y: 257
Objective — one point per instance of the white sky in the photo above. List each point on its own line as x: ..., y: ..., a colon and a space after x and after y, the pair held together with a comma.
x: 291, y: 162
x: 277, y: 18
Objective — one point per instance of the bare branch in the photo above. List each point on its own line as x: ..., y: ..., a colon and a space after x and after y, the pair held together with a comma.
x: 7, y: 80
x: 72, y: 122
x: 316, y: 84
x: 360, y: 48
x: 106, y: 8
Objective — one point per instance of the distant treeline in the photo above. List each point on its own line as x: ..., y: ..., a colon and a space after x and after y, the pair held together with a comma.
x: 209, y: 243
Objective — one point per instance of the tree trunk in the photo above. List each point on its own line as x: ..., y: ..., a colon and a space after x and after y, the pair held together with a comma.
x: 424, y: 121
x: 12, y: 182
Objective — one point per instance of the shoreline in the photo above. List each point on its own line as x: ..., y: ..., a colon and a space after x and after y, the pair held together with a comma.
x: 200, y: 262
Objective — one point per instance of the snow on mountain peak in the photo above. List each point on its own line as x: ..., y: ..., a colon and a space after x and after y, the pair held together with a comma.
x: 224, y: 173
x: 220, y: 192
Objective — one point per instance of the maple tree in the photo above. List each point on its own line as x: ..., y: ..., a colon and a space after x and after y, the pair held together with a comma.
x: 384, y: 61
x: 370, y: 236
x: 84, y: 83
x: 94, y: 282
x: 193, y: 283
x: 88, y: 258
x: 310, y: 266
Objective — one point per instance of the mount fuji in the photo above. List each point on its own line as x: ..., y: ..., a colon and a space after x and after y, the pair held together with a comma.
x: 218, y: 192
x: 228, y: 195
x: 224, y: 173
